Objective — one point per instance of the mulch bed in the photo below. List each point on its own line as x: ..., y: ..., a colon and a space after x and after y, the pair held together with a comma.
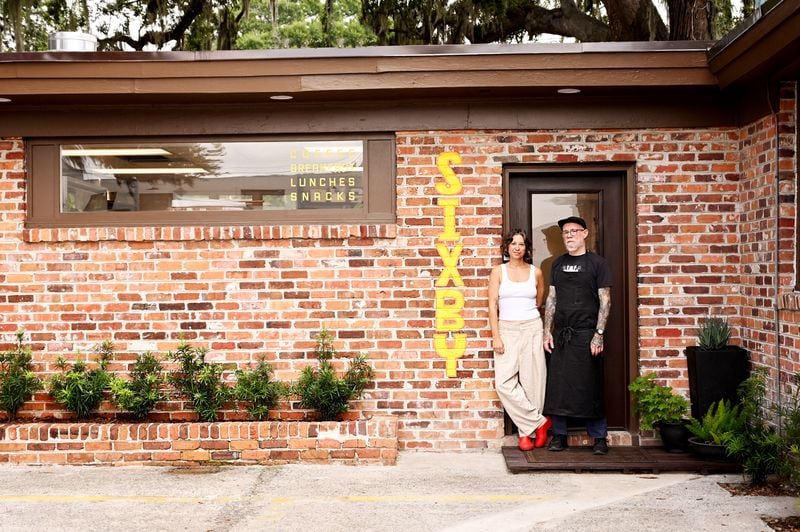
x: 770, y: 489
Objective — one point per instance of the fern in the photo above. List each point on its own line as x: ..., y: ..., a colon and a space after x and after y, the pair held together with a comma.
x: 720, y: 420
x: 757, y: 446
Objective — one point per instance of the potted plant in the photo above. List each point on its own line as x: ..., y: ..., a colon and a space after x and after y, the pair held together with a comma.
x: 711, y: 432
x: 659, y: 407
x: 716, y: 369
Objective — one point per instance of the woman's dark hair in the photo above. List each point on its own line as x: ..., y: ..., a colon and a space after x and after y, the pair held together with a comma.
x: 528, y: 257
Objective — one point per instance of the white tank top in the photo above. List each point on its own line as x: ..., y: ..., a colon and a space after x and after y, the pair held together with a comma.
x: 517, y: 301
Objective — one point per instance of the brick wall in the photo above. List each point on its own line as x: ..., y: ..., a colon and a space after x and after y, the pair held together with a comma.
x: 768, y: 223
x: 372, y: 441
x: 244, y: 292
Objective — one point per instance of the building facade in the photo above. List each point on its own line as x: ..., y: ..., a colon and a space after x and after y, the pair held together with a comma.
x: 397, y: 173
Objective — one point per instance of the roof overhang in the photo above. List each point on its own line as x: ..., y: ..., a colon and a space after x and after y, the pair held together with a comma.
x: 766, y: 47
x: 618, y: 70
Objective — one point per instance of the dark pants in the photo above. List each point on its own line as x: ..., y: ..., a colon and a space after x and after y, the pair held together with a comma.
x: 596, y: 428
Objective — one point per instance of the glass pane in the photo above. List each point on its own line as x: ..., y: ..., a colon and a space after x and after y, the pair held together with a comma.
x: 212, y: 176
x: 546, y: 210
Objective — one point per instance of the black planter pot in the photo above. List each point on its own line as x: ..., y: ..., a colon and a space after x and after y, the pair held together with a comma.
x: 711, y: 451
x: 674, y: 435
x: 715, y: 375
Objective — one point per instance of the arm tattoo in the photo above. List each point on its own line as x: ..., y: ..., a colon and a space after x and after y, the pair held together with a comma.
x: 605, y: 307
x: 549, y: 310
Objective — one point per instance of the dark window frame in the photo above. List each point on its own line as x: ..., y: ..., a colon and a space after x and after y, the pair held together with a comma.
x: 44, y: 185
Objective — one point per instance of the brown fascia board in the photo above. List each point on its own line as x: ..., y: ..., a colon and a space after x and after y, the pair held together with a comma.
x: 766, y: 45
x: 310, y: 75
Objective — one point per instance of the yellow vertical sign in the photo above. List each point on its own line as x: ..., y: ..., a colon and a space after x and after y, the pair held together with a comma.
x: 449, y: 344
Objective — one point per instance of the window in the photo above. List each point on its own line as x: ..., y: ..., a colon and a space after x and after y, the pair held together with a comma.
x: 216, y: 181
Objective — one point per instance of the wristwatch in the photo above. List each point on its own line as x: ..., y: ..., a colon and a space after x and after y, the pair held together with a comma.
x: 600, y: 331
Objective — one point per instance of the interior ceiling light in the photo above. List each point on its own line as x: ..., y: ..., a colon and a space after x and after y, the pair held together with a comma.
x: 5, y: 100
x: 164, y: 170
x: 568, y: 90
x: 99, y: 152
x: 281, y: 97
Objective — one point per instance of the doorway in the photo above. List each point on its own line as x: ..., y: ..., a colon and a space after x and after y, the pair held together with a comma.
x: 536, y: 197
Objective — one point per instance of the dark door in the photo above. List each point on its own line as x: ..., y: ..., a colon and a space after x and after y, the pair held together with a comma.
x: 536, y: 198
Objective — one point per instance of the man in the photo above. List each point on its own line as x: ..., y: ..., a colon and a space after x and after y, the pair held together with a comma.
x: 576, y: 312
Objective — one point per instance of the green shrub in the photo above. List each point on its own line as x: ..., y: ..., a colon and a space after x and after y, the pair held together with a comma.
x: 714, y: 334
x: 256, y: 388
x: 144, y: 390
x: 18, y: 383
x: 757, y: 447
x: 79, y: 389
x: 789, y: 466
x: 655, y: 403
x: 322, y: 390
x: 720, y: 419
x: 199, y: 381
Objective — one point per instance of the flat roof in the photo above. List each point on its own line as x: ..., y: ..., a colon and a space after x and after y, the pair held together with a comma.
x: 370, y: 73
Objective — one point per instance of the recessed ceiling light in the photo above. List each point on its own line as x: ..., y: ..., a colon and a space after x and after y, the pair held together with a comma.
x: 568, y: 91
x: 5, y: 100
x: 281, y: 97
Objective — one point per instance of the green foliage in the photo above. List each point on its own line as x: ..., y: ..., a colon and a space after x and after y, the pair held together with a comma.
x: 256, y: 387
x: 140, y: 394
x: 656, y: 403
x: 714, y: 334
x: 302, y: 23
x: 260, y: 24
x: 789, y: 467
x: 79, y: 389
x: 757, y: 447
x: 17, y: 380
x: 720, y: 419
x: 199, y: 381
x: 322, y: 390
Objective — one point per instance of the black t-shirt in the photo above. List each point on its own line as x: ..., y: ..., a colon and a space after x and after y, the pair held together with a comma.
x: 577, y: 280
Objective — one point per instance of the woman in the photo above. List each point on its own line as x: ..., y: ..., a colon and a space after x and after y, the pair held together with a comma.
x: 516, y: 291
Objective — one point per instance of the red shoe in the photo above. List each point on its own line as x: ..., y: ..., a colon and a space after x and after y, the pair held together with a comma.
x: 541, y: 432
x: 525, y: 443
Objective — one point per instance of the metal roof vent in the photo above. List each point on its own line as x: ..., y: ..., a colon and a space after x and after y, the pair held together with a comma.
x: 72, y: 41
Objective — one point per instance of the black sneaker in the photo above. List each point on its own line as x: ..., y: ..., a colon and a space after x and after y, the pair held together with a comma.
x: 558, y: 442
x: 600, y: 446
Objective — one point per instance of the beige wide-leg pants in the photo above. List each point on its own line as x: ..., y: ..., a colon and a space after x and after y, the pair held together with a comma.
x: 520, y: 373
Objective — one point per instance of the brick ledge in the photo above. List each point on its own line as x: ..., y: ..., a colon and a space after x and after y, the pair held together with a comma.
x: 366, y: 441
x: 204, y: 233
x: 789, y: 301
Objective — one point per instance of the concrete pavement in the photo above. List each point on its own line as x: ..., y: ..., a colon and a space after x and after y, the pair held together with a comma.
x: 425, y: 491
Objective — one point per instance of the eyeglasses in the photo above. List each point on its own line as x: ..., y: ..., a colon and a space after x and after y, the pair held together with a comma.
x: 572, y: 232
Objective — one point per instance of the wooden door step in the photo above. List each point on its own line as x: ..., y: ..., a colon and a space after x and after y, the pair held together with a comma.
x: 626, y: 459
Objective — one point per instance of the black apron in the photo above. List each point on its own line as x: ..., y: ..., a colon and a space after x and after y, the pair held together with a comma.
x: 574, y: 376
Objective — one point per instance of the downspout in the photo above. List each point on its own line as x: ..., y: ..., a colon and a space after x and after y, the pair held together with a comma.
x: 775, y: 107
